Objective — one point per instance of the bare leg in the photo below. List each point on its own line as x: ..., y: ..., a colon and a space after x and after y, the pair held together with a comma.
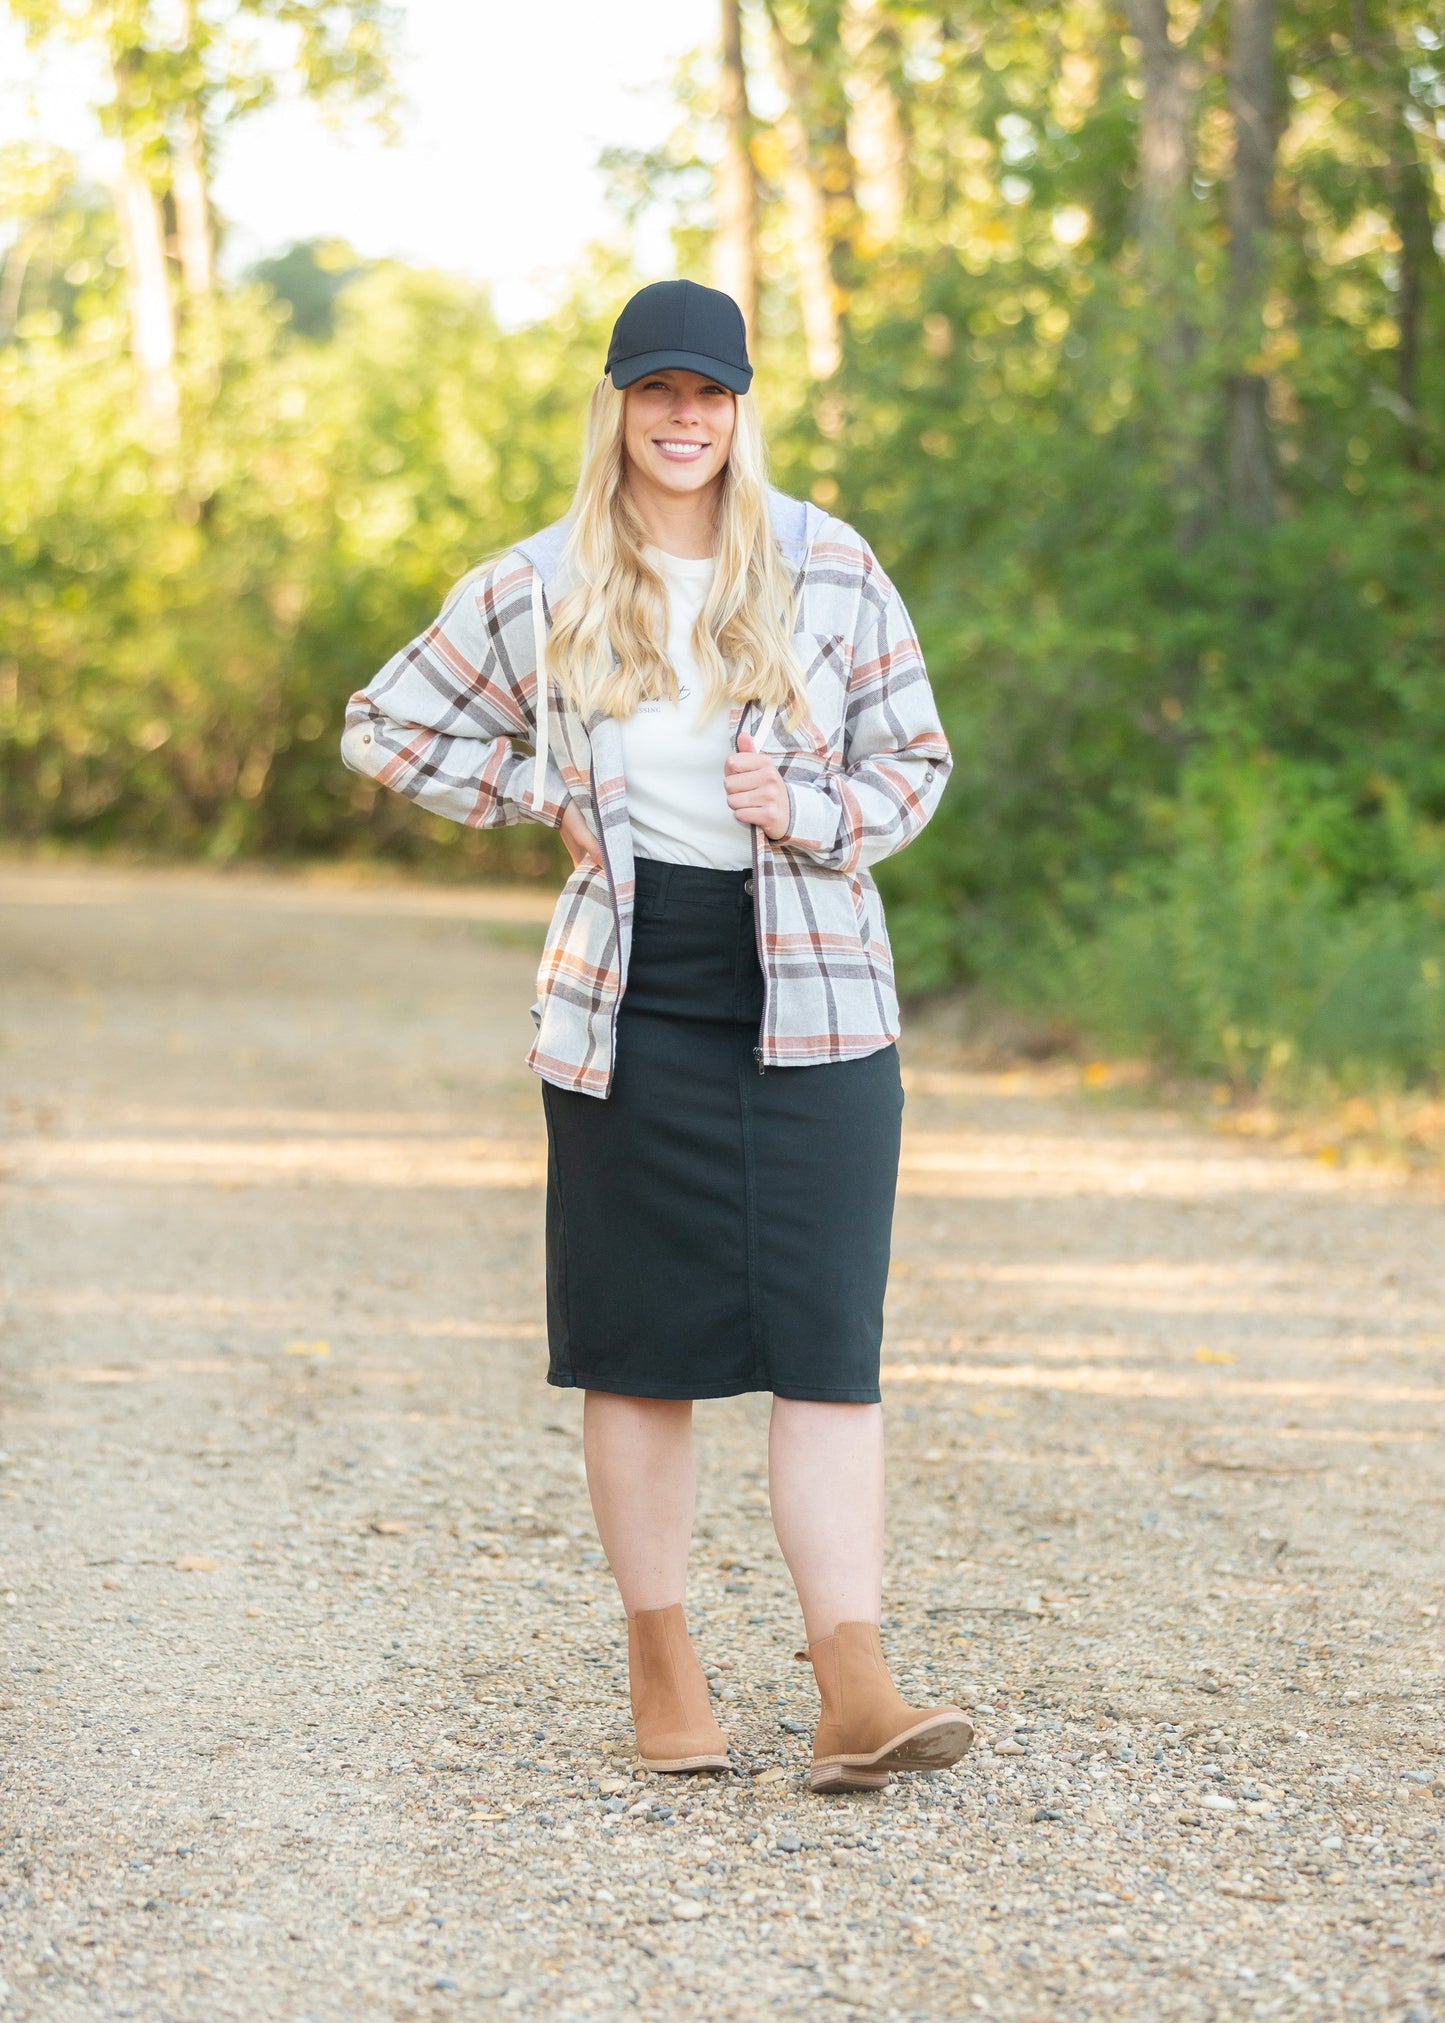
x: 825, y: 1479
x: 641, y: 1480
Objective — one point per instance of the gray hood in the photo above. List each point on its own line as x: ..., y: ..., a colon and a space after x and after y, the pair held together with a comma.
x: 795, y: 525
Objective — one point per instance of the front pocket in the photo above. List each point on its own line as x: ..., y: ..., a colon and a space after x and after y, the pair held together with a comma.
x: 834, y: 927
x: 874, y: 931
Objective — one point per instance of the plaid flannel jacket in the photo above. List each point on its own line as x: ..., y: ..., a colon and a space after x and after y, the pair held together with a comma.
x: 438, y: 722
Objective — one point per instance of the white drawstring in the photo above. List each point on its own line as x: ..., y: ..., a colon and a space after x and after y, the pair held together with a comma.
x: 539, y: 636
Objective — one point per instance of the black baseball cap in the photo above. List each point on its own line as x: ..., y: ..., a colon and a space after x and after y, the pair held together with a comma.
x: 684, y: 324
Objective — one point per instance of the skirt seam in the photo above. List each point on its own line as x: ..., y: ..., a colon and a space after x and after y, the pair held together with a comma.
x: 761, y: 1374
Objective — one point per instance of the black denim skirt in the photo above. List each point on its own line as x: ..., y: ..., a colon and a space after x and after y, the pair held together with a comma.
x: 713, y: 1228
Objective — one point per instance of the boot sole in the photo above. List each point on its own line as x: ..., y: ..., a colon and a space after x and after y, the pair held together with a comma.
x: 684, y: 1762
x: 932, y: 1745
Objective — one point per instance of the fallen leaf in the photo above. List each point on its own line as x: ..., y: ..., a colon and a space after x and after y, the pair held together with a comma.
x: 308, y: 1348
x: 1214, y: 1355
x: 195, y: 1562
x: 390, y: 1527
x: 770, y: 1776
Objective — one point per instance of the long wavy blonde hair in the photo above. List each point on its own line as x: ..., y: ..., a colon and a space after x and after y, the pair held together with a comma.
x: 615, y: 603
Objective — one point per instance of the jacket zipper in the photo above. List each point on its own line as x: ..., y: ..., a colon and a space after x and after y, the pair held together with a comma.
x: 758, y: 932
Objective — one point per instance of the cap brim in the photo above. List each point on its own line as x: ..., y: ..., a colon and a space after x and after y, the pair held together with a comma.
x: 737, y: 378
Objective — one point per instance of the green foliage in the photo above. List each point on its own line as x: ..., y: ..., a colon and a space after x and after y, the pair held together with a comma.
x: 309, y: 278
x: 226, y: 58
x: 59, y: 263
x: 1034, y: 450
x: 176, y: 658
x: 1234, y: 951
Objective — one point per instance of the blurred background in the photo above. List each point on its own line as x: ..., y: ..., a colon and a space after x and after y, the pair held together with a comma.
x: 1118, y: 330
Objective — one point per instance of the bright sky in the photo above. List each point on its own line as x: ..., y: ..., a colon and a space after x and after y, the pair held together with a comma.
x: 507, y: 108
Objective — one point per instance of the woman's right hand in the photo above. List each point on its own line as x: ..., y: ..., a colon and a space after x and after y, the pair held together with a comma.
x: 581, y: 843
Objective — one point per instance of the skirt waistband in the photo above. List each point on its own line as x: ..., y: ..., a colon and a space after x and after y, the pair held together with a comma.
x: 696, y: 883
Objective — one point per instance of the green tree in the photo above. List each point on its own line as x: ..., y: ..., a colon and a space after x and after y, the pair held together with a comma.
x: 178, y: 75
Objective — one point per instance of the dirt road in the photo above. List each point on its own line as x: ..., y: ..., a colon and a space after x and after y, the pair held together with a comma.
x: 312, y: 1689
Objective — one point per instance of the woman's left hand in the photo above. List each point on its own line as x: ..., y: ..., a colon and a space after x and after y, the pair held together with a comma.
x: 755, y: 789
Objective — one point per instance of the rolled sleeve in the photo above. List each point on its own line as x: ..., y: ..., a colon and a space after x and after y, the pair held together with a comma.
x: 437, y: 722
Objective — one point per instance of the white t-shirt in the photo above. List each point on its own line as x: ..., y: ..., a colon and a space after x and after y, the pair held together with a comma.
x: 672, y: 763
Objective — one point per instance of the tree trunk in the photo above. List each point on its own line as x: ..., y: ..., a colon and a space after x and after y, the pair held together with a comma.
x: 1169, y: 74
x: 1165, y: 137
x: 735, y: 243
x: 193, y: 208
x: 1409, y: 186
x: 875, y: 132
x: 148, y: 298
x: 1410, y: 195
x: 807, y: 213
x: 1251, y: 102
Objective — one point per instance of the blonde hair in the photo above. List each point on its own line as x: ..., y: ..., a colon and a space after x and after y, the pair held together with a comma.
x: 615, y: 601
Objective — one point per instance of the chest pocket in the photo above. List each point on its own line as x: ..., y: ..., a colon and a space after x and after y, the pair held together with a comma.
x: 826, y: 659
x: 823, y: 653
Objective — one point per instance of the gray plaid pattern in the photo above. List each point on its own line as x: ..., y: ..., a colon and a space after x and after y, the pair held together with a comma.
x: 863, y: 776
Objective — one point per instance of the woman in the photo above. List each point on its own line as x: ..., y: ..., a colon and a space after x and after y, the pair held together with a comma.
x: 730, y: 723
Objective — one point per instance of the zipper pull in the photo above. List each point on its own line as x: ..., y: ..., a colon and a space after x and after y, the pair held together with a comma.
x: 758, y: 1057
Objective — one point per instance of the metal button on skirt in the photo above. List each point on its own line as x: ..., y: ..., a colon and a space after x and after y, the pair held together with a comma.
x: 711, y: 1228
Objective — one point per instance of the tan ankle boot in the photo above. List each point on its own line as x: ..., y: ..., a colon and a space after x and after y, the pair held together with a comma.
x: 868, y: 1729
x: 670, y: 1705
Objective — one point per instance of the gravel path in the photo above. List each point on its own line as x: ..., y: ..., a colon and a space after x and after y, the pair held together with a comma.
x: 312, y: 1681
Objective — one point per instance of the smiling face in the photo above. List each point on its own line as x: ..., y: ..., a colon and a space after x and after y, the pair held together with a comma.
x: 677, y: 431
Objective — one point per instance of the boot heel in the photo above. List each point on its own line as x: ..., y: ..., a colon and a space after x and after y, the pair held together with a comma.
x: 841, y: 1777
